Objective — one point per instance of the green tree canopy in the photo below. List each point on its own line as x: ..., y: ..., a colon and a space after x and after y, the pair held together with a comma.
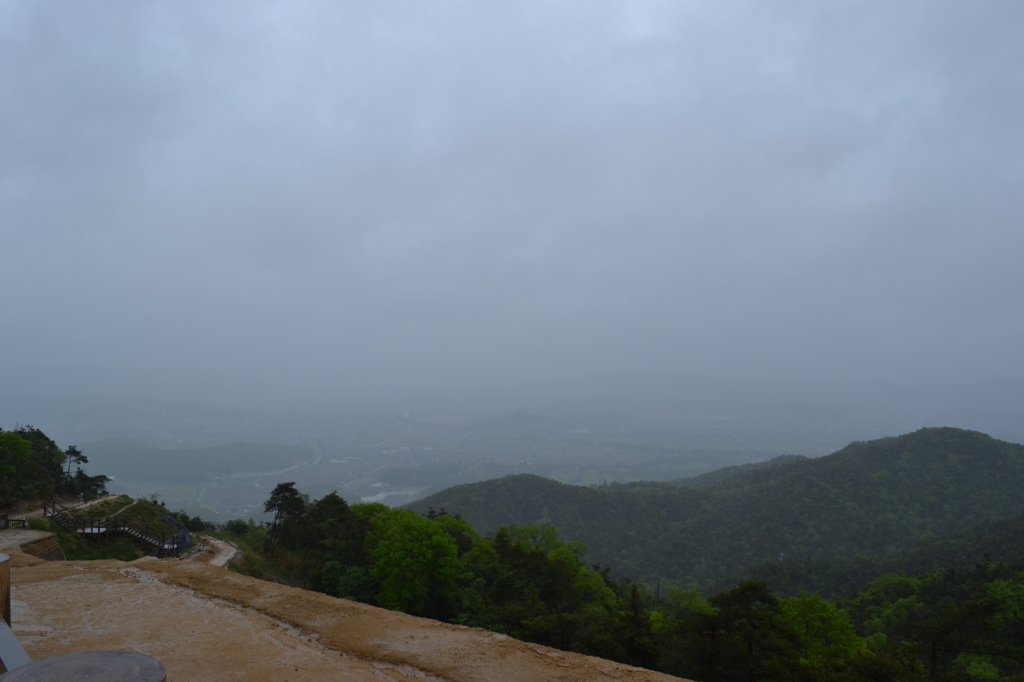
x: 288, y: 505
x: 415, y: 561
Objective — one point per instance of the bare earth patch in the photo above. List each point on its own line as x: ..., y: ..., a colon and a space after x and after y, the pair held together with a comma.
x: 206, y: 623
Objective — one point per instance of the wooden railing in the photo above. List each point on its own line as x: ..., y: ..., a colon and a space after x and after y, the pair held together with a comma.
x: 6, y: 522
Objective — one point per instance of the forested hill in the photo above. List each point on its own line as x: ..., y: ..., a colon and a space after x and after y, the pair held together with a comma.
x: 870, y: 499
x: 32, y: 467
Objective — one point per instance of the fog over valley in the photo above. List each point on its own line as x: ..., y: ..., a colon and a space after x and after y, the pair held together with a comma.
x: 221, y: 463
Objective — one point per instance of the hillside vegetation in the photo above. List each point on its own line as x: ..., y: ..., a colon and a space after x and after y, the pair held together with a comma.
x: 999, y: 540
x: 914, y: 616
x: 866, y: 501
x: 524, y: 582
x: 32, y: 467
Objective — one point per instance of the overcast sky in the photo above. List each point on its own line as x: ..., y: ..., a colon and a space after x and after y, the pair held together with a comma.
x: 244, y: 198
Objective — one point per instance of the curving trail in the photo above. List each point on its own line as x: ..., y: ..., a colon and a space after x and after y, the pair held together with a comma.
x: 210, y: 550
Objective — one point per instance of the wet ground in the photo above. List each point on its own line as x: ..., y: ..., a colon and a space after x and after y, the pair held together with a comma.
x: 206, y: 623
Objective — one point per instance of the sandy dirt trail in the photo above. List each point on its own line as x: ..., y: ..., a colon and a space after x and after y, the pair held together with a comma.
x: 206, y: 623
x: 38, y: 511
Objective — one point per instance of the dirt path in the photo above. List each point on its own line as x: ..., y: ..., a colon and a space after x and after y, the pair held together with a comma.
x: 13, y: 538
x: 36, y: 513
x: 226, y: 552
x: 210, y: 550
x: 205, y: 623
x: 98, y: 500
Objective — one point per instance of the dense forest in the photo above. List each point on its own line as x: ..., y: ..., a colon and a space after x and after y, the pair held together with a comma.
x: 999, y: 539
x: 522, y: 580
x: 867, y: 501
x: 32, y: 467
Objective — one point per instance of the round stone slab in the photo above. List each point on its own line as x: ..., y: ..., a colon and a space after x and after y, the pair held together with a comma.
x: 91, y: 666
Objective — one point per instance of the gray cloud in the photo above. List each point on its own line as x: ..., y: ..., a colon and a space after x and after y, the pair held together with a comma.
x: 240, y: 197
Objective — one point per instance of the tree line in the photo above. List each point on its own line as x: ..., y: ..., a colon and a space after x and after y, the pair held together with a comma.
x: 32, y: 467
x: 523, y: 581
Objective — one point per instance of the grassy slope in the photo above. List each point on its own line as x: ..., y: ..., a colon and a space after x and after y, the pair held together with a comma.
x: 117, y: 546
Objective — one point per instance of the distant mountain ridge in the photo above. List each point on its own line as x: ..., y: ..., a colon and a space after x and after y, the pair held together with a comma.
x: 869, y: 499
